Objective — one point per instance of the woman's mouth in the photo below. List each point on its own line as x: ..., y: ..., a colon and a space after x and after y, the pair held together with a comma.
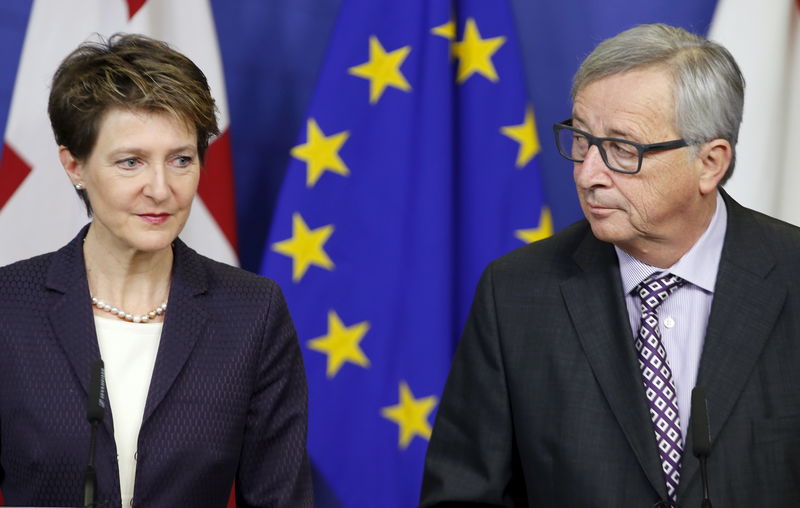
x: 154, y: 218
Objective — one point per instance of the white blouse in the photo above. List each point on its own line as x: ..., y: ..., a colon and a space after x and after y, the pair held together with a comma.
x: 129, y: 353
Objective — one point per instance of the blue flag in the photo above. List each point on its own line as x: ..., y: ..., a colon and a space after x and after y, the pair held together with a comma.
x: 416, y: 167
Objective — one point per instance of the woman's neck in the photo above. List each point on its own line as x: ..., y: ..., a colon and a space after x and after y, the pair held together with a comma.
x: 132, y: 280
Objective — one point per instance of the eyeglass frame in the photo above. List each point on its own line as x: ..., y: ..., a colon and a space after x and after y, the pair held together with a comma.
x: 597, y: 141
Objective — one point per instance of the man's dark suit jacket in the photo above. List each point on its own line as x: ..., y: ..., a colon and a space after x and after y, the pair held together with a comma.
x: 544, y: 405
x: 227, y: 399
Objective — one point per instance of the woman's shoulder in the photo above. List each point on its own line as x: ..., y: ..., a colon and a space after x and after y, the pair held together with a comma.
x: 226, y: 274
x: 25, y: 283
x: 34, y: 268
x: 223, y: 277
x: 242, y: 292
x: 57, y: 269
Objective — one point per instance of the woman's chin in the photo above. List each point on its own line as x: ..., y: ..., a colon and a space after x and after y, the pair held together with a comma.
x: 151, y: 241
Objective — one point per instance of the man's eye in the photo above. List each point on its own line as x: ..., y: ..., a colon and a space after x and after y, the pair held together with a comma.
x: 579, y: 140
x: 623, y: 150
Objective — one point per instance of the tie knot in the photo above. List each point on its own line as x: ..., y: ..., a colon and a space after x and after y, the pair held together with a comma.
x: 654, y: 290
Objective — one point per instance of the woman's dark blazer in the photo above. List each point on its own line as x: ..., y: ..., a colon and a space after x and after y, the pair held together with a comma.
x: 227, y: 400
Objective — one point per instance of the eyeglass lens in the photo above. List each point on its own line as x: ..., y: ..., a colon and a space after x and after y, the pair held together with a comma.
x: 619, y: 155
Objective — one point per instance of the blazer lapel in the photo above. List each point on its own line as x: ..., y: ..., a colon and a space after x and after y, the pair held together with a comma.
x: 596, y: 305
x: 72, y: 320
x: 70, y: 314
x: 746, y: 305
x: 184, y: 323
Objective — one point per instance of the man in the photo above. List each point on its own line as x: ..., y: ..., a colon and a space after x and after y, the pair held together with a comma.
x: 571, y: 386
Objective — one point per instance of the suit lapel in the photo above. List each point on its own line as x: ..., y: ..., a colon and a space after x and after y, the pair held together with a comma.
x: 72, y: 321
x: 746, y: 305
x: 596, y: 305
x: 184, y: 323
x: 70, y: 314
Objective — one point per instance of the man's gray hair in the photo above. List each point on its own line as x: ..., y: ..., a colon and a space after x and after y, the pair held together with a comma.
x: 708, y: 86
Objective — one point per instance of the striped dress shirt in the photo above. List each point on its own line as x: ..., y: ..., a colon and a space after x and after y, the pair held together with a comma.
x: 683, y: 317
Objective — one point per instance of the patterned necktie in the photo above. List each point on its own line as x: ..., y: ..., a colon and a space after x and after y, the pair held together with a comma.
x: 657, y: 378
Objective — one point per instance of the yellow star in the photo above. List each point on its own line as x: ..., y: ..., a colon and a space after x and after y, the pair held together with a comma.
x: 305, y: 247
x: 411, y: 415
x: 341, y: 344
x: 541, y: 232
x: 382, y: 69
x: 447, y: 30
x: 525, y: 135
x: 475, y: 54
x: 321, y: 153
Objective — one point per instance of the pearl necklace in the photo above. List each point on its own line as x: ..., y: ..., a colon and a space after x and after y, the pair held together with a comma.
x: 144, y: 318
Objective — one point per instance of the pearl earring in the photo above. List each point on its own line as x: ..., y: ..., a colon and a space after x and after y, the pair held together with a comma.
x: 79, y: 186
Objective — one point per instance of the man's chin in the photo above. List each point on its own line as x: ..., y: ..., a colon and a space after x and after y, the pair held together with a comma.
x: 607, y: 231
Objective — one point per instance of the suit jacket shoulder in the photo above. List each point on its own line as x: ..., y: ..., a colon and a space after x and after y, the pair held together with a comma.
x: 551, y: 254
x: 756, y: 238
x: 222, y: 283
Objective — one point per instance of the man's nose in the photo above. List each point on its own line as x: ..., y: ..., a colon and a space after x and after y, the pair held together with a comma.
x: 593, y: 170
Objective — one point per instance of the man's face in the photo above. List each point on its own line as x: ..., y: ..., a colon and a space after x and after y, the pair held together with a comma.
x: 636, y: 212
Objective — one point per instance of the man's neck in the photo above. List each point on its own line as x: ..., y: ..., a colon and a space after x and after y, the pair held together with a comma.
x: 665, y: 252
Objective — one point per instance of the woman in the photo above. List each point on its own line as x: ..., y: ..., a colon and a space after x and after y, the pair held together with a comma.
x: 203, y: 370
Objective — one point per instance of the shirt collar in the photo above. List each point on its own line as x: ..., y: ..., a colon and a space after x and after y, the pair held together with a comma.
x: 698, y: 266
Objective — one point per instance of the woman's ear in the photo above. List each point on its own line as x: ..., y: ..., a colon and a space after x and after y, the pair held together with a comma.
x: 72, y: 166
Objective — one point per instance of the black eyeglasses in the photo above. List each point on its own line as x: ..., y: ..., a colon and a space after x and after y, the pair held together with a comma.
x: 619, y: 154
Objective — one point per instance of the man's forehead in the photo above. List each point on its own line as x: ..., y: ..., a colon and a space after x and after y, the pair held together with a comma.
x: 638, y: 101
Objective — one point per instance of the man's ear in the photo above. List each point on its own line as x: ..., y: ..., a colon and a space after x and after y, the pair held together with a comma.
x: 72, y: 166
x: 714, y: 158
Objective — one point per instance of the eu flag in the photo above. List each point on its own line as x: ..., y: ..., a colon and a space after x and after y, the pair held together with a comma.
x: 417, y: 166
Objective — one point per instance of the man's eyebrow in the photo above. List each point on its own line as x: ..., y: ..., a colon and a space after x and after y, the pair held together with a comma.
x: 624, y: 134
x: 617, y: 133
x: 578, y: 122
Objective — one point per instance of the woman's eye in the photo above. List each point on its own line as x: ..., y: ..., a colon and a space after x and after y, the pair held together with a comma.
x: 130, y: 163
x: 183, y: 161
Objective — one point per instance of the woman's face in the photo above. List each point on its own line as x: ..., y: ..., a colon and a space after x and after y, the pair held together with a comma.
x: 141, y: 178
